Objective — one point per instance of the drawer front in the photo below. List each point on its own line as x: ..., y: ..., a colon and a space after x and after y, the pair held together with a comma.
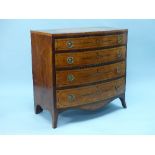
x: 89, y: 94
x: 89, y: 42
x: 90, y: 57
x: 89, y: 75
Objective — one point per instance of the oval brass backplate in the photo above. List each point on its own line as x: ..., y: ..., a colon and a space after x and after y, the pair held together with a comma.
x: 69, y: 44
x: 70, y: 77
x: 71, y: 97
x: 70, y: 60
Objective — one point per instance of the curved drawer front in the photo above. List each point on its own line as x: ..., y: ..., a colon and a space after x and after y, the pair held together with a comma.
x: 90, y: 42
x: 90, y: 57
x: 89, y: 75
x: 89, y: 94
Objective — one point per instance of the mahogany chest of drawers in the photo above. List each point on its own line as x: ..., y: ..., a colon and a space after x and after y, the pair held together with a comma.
x: 78, y: 68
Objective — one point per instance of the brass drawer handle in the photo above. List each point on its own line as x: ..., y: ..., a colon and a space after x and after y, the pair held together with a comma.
x: 119, y: 54
x: 120, y: 39
x: 71, y: 97
x: 70, y: 60
x: 70, y: 77
x: 69, y: 44
x: 116, y: 87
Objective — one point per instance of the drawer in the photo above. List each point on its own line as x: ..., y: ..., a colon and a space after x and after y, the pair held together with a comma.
x: 89, y: 75
x: 89, y: 94
x: 73, y: 59
x: 89, y: 42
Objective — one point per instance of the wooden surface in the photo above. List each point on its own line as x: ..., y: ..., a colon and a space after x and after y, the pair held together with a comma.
x: 95, y: 105
x: 88, y: 94
x: 90, y: 42
x: 98, y: 69
x: 81, y: 30
x: 42, y: 70
x: 101, y: 104
x: 89, y: 75
x: 87, y: 58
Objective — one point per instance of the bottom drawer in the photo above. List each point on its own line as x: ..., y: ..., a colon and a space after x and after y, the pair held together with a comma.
x: 88, y: 94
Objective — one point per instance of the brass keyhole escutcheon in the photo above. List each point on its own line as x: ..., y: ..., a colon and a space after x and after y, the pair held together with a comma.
x: 70, y: 77
x: 70, y: 60
x: 71, y: 97
x: 120, y: 39
x: 97, y: 41
x: 119, y: 54
x: 69, y: 44
x: 118, y: 69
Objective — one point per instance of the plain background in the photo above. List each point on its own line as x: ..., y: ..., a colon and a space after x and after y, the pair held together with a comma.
x: 16, y: 91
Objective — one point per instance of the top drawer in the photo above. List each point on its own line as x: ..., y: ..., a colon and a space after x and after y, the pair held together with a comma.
x: 90, y: 42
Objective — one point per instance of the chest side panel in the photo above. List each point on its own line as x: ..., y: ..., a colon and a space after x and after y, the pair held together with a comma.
x: 42, y: 69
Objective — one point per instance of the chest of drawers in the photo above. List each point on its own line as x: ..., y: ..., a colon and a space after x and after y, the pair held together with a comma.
x: 78, y: 68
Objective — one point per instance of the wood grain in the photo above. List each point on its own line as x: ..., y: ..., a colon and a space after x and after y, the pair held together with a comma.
x: 89, y: 57
x: 43, y: 81
x: 89, y: 42
x: 82, y: 31
x: 89, y: 75
x: 96, y: 66
x: 96, y: 105
x: 89, y: 94
x: 42, y: 70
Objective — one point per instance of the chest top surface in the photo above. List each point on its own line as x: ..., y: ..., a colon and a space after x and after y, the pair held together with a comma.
x: 82, y: 30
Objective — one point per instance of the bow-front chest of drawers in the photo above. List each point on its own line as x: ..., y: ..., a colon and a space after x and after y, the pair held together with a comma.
x: 78, y: 68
